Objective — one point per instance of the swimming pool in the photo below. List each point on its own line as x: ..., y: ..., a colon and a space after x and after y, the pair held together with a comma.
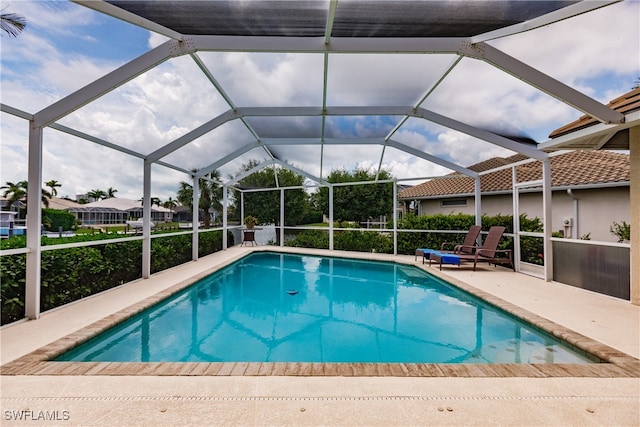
x: 274, y: 307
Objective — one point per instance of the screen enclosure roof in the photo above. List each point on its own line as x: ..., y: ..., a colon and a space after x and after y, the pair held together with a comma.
x: 332, y: 48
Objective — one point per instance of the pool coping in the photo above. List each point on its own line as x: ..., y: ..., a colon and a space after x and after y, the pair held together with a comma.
x: 615, y: 363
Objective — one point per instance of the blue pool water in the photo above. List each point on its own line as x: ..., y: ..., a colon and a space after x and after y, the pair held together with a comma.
x: 288, y: 308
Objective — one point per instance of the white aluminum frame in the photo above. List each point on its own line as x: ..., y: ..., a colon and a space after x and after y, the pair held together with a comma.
x: 183, y: 44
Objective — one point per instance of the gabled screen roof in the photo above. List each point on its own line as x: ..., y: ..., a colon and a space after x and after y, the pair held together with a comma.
x: 342, y: 82
x: 353, y: 18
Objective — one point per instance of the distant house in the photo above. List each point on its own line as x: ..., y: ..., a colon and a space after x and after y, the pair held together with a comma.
x: 182, y: 214
x: 117, y: 211
x: 590, y: 190
x: 7, y: 224
x: 619, y: 140
x: 15, y: 207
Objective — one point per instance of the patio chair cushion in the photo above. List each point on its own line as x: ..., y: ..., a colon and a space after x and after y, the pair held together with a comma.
x: 445, y: 258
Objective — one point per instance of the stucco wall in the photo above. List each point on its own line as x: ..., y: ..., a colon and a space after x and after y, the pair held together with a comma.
x: 597, y: 209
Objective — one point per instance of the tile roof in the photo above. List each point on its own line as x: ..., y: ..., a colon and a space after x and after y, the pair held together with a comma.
x: 122, y: 204
x: 61, y: 204
x: 568, y: 169
x: 626, y: 103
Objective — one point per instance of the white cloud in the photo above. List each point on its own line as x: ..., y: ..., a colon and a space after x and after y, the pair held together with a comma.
x: 355, y: 79
x: 446, y: 144
x: 484, y: 96
x: 54, y: 17
x: 156, y: 40
x: 268, y: 79
x: 467, y: 150
x: 584, y: 47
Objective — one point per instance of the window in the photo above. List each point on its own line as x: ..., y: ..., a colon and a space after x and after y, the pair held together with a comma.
x: 453, y: 202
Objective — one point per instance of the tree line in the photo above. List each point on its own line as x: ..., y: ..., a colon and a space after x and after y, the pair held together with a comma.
x: 351, y: 202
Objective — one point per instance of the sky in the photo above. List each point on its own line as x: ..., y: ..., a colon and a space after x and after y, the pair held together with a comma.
x: 66, y: 46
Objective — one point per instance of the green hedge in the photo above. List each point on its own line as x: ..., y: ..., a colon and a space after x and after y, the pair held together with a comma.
x: 312, y: 217
x: 409, y: 241
x: 317, y: 239
x: 344, y: 240
x: 363, y: 241
x: 74, y: 273
x: 56, y: 218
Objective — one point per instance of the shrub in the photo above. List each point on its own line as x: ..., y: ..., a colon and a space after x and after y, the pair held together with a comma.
x: 73, y: 273
x: 57, y: 218
x: 12, y: 287
x: 621, y: 231
x: 363, y: 241
x: 409, y: 241
x: 312, y: 217
x: 317, y: 239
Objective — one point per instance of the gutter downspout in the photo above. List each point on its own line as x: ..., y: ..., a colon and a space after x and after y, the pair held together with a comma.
x: 574, y: 228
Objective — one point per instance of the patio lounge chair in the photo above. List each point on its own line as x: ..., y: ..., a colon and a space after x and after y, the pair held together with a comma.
x: 467, y: 247
x: 488, y: 252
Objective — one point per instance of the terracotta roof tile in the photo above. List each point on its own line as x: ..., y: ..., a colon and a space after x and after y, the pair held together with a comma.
x: 496, y: 162
x: 61, y: 204
x: 626, y: 103
x: 572, y: 168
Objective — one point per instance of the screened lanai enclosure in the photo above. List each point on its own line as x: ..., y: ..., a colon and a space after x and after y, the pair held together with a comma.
x: 373, y: 84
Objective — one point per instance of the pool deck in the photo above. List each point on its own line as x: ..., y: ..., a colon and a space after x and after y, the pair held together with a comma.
x: 356, y: 395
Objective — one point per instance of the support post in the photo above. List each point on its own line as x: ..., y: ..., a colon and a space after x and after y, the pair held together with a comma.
x: 395, y: 218
x: 241, y: 207
x: 225, y: 201
x: 282, y: 217
x: 478, y: 200
x: 547, y: 219
x: 195, y: 215
x: 34, y: 223
x: 516, y: 218
x: 478, y: 206
x: 634, y: 205
x: 146, y: 221
x: 330, y: 217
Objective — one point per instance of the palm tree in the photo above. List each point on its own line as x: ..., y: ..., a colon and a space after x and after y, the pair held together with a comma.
x: 170, y: 204
x: 111, y: 193
x: 17, y: 192
x: 12, y: 23
x: 52, y: 185
x: 153, y: 200
x: 96, y: 194
x: 14, y: 192
x: 210, y: 195
x: 185, y: 194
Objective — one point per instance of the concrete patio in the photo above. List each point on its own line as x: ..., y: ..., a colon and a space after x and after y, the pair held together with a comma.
x: 330, y: 400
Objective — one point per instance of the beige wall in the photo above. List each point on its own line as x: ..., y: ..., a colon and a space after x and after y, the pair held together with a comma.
x: 597, y: 209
